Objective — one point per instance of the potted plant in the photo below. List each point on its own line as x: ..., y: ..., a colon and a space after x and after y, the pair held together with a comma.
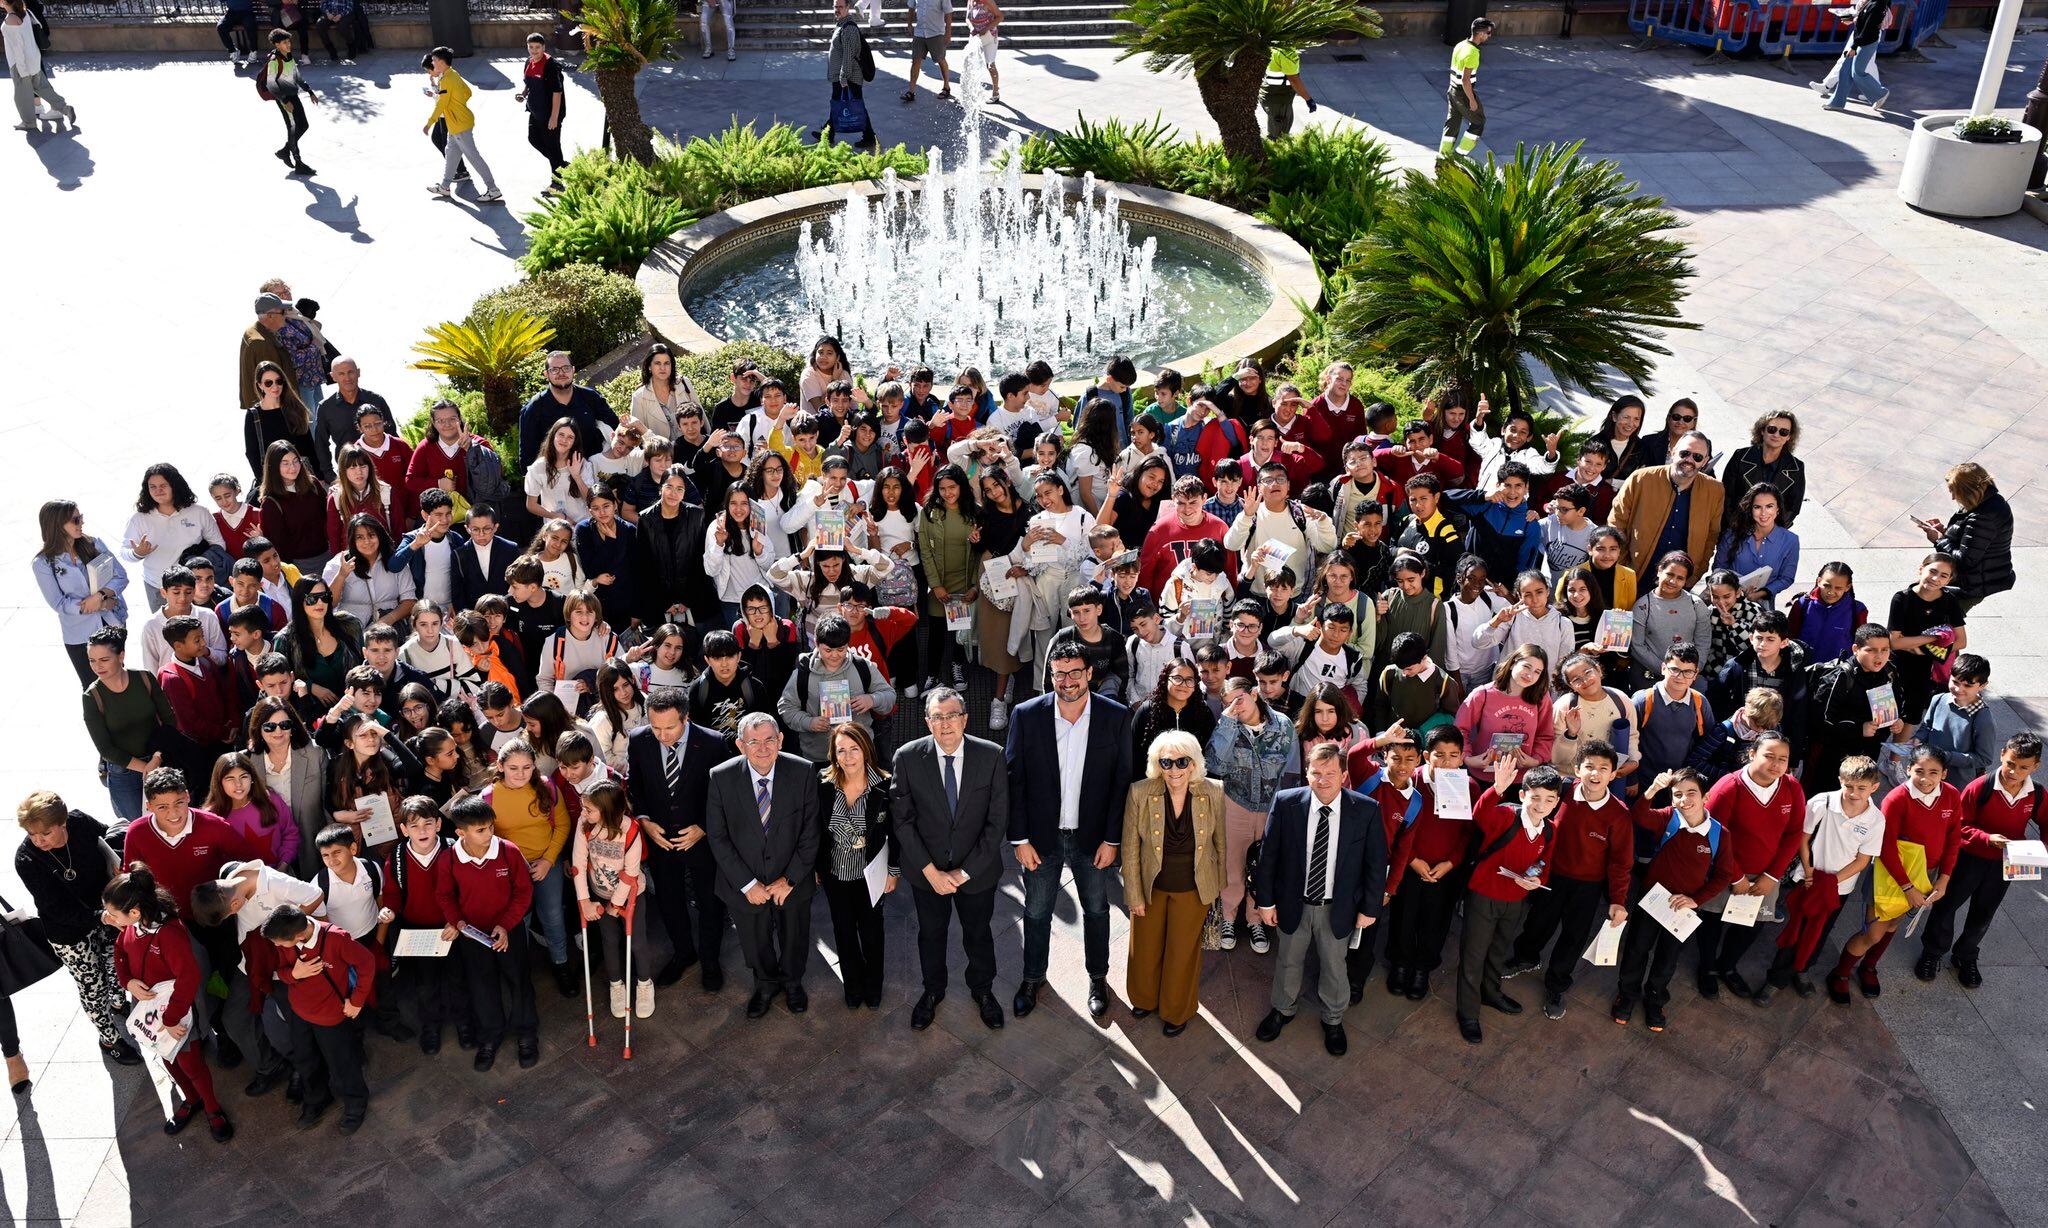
x: 1987, y: 130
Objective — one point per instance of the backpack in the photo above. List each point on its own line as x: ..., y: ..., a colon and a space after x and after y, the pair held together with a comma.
x: 867, y: 60
x: 803, y: 675
x: 1677, y: 825
x: 1699, y: 711
x: 324, y: 879
x: 1501, y: 841
x: 1371, y: 784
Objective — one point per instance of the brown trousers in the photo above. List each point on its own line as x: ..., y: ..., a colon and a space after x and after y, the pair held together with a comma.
x: 1165, y: 972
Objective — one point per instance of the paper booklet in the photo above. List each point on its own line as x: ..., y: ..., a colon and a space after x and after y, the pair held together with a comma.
x: 1656, y: 904
x: 1453, y: 788
x: 1742, y: 909
x: 476, y: 935
x: 1605, y: 949
x: 835, y: 700
x: 1505, y: 744
x: 379, y: 828
x: 100, y: 572
x: 1884, y: 706
x: 2024, y: 860
x: 1270, y: 557
x: 1616, y: 629
x: 996, y: 584
x: 1199, y: 619
x: 831, y: 531
x: 877, y: 876
x: 1913, y: 920
x: 146, y: 1023
x: 414, y: 944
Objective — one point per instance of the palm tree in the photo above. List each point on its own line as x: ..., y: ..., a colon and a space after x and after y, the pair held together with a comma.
x: 487, y: 352
x: 1484, y: 267
x: 621, y: 37
x: 1225, y: 43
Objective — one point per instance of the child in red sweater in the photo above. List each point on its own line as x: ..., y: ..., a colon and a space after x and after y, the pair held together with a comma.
x: 1403, y: 802
x: 202, y: 695
x: 328, y: 977
x: 1427, y: 873
x: 1513, y: 861
x: 1693, y: 860
x: 1764, y: 812
x: 183, y: 848
x: 1997, y: 809
x: 1923, y: 835
x: 153, y: 960
x: 1844, y: 834
x: 1588, y: 883
x: 485, y: 893
x: 414, y: 874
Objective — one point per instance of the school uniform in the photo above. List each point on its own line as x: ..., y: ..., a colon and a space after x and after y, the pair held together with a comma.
x: 274, y: 888
x: 412, y: 887
x: 1594, y: 854
x: 1979, y: 876
x: 327, y: 1047
x: 153, y: 955
x: 1837, y: 838
x: 1495, y: 904
x: 353, y: 906
x: 491, y: 892
x: 1422, y: 910
x: 1763, y: 827
x: 1694, y: 862
x: 1399, y: 810
x: 193, y: 858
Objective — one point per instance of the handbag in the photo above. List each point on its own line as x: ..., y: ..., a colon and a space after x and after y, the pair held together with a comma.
x: 1212, y: 926
x: 25, y: 954
x: 849, y: 113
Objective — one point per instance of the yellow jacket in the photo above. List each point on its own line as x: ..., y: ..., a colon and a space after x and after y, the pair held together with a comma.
x: 452, y: 103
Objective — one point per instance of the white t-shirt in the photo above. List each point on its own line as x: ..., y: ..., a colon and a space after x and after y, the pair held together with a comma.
x: 1083, y: 463
x: 274, y: 889
x: 554, y: 495
x: 352, y: 907
x: 1839, y: 839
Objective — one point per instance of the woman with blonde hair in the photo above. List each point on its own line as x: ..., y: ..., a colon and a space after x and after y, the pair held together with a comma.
x: 1979, y: 535
x: 1173, y: 872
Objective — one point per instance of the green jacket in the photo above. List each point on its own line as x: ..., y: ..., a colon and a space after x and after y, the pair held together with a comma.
x: 949, y: 558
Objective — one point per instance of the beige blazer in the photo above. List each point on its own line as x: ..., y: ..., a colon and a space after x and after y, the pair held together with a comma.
x: 1144, y: 844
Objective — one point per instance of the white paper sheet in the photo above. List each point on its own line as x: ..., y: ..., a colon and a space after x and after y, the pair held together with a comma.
x: 565, y: 690
x: 877, y: 874
x: 1742, y: 909
x: 379, y: 828
x: 416, y: 943
x: 146, y: 1023
x: 1656, y: 904
x: 1453, y: 787
x: 1605, y: 949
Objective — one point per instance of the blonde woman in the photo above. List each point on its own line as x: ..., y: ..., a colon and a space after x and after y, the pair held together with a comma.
x: 1173, y: 871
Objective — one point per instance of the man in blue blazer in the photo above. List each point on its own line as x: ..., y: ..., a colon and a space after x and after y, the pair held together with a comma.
x: 1069, y: 755
x: 1322, y: 872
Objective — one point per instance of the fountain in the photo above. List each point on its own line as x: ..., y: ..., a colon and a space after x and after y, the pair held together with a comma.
x: 979, y: 264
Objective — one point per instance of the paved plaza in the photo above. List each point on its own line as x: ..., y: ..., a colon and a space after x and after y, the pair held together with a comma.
x: 1904, y: 342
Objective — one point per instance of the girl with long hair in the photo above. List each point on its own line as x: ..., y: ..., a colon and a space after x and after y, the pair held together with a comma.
x: 736, y: 552
x: 607, y: 857
x: 277, y: 416
x: 1093, y: 451
x: 364, y: 585
x: 412, y: 710
x: 532, y: 815
x: 827, y: 363
x: 433, y: 650
x: 768, y: 484
x: 367, y: 763
x: 293, y: 508
x: 546, y: 719
x: 819, y: 588
x: 620, y: 709
x: 663, y: 394
x: 357, y: 491
x: 558, y: 481
x: 1003, y: 517
x: 892, y: 511
x: 1135, y: 507
x: 667, y: 663
x: 167, y: 522
x: 1328, y: 715
x: 153, y: 960
x: 945, y: 542
x: 79, y: 579
x: 554, y: 545
x: 1510, y: 719
x: 322, y: 643
x: 240, y: 793
x: 1176, y: 703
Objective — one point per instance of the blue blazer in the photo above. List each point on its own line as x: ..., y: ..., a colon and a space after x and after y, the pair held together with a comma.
x: 1360, y: 855
x: 1032, y: 754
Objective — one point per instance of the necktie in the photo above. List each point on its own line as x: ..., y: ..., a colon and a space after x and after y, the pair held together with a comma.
x: 672, y: 767
x: 761, y: 801
x: 1319, y: 858
x: 952, y: 785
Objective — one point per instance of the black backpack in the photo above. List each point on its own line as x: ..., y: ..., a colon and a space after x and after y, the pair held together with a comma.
x: 867, y: 60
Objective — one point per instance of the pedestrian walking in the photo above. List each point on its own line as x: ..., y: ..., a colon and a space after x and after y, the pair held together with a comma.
x: 849, y: 65
x: 451, y: 106
x: 1868, y: 21
x: 279, y: 82
x: 32, y: 85
x: 547, y: 99
x: 1283, y: 84
x: 705, y: 9
x: 931, y: 32
x: 1465, y: 116
x: 983, y: 16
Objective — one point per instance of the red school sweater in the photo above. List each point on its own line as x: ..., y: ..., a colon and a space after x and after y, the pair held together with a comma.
x: 1393, y: 809
x: 1596, y: 842
x: 1517, y: 856
x: 413, y: 891
x: 203, y: 699
x: 318, y: 999
x: 209, y: 843
x: 1988, y: 813
x: 156, y: 955
x: 1686, y: 864
x: 1764, y: 836
x: 1434, y: 839
x: 1937, y: 828
x: 494, y: 893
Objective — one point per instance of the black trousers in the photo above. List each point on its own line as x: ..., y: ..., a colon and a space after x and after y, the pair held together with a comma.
x: 776, y: 940
x: 500, y: 987
x: 1421, y: 922
x: 1490, y: 929
x: 682, y: 876
x: 857, y: 933
x: 329, y: 1061
x: 294, y: 114
x: 1785, y: 962
x: 1570, y: 909
x: 434, y: 984
x: 545, y: 139
x: 1721, y: 945
x: 1358, y: 961
x: 10, y: 1030
x: 232, y: 24
x: 1649, y: 959
x: 1978, y: 882
x: 977, y: 909
x: 84, y: 671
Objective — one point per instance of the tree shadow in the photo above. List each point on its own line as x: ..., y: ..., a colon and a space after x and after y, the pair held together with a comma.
x: 65, y: 158
x: 326, y: 208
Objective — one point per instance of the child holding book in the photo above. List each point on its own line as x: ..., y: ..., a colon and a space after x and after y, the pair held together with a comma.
x: 484, y: 896
x: 153, y: 960
x: 414, y: 875
x: 1691, y: 861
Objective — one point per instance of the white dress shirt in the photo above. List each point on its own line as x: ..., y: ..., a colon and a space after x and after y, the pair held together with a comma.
x: 1072, y: 740
x: 1315, y: 806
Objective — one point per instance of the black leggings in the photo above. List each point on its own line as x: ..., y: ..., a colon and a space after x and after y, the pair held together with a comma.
x: 294, y: 114
x: 939, y: 650
x: 10, y: 1032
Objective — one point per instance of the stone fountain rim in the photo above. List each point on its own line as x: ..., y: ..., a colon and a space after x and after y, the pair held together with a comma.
x: 1284, y: 263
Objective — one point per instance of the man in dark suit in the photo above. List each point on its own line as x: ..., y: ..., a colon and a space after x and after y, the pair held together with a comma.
x: 480, y: 562
x: 1322, y: 870
x: 1069, y: 755
x: 951, y: 799
x: 668, y: 773
x: 761, y: 820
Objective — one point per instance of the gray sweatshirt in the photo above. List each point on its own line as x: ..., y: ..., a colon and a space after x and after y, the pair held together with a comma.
x: 1660, y: 623
x: 798, y: 710
x: 842, y: 62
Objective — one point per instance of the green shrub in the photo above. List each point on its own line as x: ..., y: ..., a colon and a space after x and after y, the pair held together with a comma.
x: 592, y: 311
x: 609, y: 214
x: 619, y: 389
x: 707, y: 174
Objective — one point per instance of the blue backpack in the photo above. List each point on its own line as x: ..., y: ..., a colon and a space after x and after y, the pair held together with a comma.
x: 1677, y: 825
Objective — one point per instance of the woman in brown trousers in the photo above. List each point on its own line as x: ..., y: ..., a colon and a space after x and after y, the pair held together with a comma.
x: 1173, y: 872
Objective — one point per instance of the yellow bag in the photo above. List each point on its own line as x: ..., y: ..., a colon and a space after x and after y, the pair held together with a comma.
x: 1888, y: 896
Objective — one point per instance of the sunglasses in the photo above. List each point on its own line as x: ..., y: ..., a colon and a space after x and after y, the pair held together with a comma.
x: 320, y: 598
x: 1177, y: 763
x: 1780, y: 431
x: 270, y: 383
x: 1685, y: 417
x: 275, y: 726
x: 1695, y: 457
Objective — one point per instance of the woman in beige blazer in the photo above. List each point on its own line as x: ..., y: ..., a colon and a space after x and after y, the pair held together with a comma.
x: 1173, y: 871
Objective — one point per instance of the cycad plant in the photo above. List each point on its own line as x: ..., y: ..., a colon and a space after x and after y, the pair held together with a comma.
x: 620, y: 38
x: 1226, y: 43
x: 1477, y: 270
x: 486, y: 352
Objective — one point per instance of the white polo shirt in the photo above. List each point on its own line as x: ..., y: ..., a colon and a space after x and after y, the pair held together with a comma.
x: 1839, y: 839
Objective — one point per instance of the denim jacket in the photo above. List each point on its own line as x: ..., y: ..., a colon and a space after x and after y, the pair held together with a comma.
x: 1254, y: 766
x: 65, y: 584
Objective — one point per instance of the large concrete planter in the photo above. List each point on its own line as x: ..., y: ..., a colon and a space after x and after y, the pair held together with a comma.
x: 1956, y: 178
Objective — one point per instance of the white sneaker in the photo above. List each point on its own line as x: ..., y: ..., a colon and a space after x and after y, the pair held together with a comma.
x: 731, y: 55
x: 1228, y: 941
x: 707, y: 52
x: 643, y: 999
x: 998, y: 715
x: 491, y: 197
x: 909, y: 691
x: 440, y: 189
x: 618, y: 999
x: 1260, y: 943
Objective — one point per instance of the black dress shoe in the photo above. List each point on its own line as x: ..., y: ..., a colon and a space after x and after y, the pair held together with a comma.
x: 672, y: 971
x: 465, y: 1036
x: 1357, y: 992
x: 396, y: 1029
x: 1026, y: 1000
x: 1418, y: 986
x: 352, y: 1119
x: 853, y: 998
x: 1803, y: 986
x: 1140, y: 1012
x: 1333, y: 1039
x: 218, y: 1125
x: 430, y: 1041
x: 1269, y: 1027
x: 714, y: 978
x: 226, y: 1053
x: 874, y: 998
x: 1174, y: 1029
x: 1927, y: 967
x: 991, y: 1010
x: 1502, y: 1003
x: 1709, y: 985
x: 927, y: 1006
x: 1098, y: 997
x: 312, y: 1111
x: 1738, y: 984
x: 565, y: 981
x: 1763, y: 994
x: 797, y: 998
x: 529, y: 1052
x: 1966, y: 974
x: 486, y: 1057
x: 264, y: 1083
x: 758, y: 1004
x: 1397, y: 981
x: 1470, y: 1030
x: 294, y: 1089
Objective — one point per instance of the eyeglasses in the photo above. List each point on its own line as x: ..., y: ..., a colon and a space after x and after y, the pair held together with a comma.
x: 1695, y: 457
x: 1176, y: 764
x: 1070, y: 675
x: 1180, y: 680
x: 1781, y: 432
x: 275, y: 726
x: 945, y: 718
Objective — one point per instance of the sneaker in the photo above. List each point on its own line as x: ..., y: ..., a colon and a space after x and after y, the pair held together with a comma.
x: 1804, y: 987
x: 931, y: 682
x: 347, y: 63
x: 910, y: 690
x: 731, y: 55
x: 1967, y: 974
x: 1877, y: 103
x: 707, y: 53
x: 959, y: 676
x: 25, y: 126
x: 440, y: 189
x: 618, y: 999
x: 1927, y: 967
x: 1553, y: 1005
x: 1653, y: 1017
x: 1517, y: 967
x: 643, y: 999
x: 1227, y: 941
x: 491, y: 197
x: 1260, y: 943
x: 998, y: 716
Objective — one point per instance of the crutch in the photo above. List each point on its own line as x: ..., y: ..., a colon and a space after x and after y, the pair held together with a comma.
x: 632, y: 985
x: 589, y: 1009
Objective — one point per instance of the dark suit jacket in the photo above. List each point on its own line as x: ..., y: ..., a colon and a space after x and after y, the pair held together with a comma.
x: 1360, y: 855
x: 474, y: 578
x: 878, y: 832
x: 745, y: 849
x: 647, y: 784
x: 931, y: 835
x: 1035, y: 773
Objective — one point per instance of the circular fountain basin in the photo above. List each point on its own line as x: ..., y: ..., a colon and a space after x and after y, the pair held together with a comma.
x: 1229, y: 284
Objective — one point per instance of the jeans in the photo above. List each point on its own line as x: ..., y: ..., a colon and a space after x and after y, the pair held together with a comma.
x: 1855, y: 77
x: 1042, y: 893
x: 704, y: 12
x: 462, y: 148
x: 124, y: 787
x: 547, y: 909
x: 233, y: 22
x: 310, y: 395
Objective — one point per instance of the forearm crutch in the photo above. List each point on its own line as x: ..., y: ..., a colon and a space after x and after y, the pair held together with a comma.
x: 589, y: 1008
x: 632, y: 901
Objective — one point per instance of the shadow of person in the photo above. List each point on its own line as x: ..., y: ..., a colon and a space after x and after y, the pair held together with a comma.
x: 37, y: 1173
x: 326, y: 208
x: 65, y: 158
x: 502, y: 221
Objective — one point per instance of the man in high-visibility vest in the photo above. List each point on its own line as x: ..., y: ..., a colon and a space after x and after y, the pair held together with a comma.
x: 1283, y: 82
x: 1466, y: 116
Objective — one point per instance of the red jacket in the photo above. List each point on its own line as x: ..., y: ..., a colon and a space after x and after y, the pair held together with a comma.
x: 1398, y: 467
x: 158, y: 955
x: 1986, y: 813
x: 204, y: 699
x: 1312, y: 434
x: 1686, y: 863
x: 318, y: 999
x: 209, y: 844
x: 383, y: 514
x: 883, y: 629
x: 1763, y: 836
x: 1937, y: 828
x: 495, y: 893
x: 1339, y: 427
x: 413, y: 893
x: 1596, y: 842
x: 429, y: 464
x: 1518, y: 856
x: 1167, y: 543
x: 392, y: 469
